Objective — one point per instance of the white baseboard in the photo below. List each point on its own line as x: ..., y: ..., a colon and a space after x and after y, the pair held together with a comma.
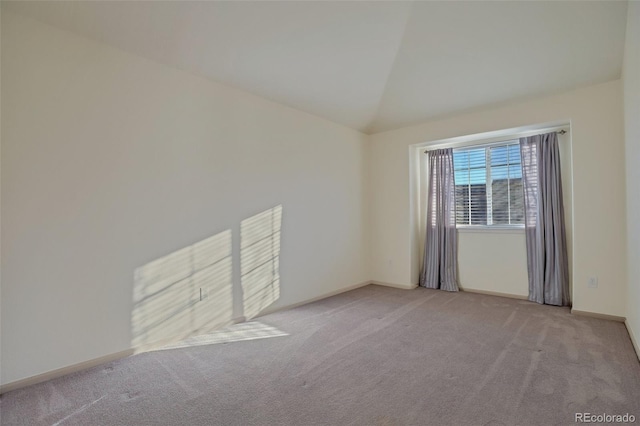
x: 18, y: 384
x: 494, y: 293
x: 634, y: 341
x: 159, y: 344
x: 598, y: 315
x: 313, y: 299
x: 402, y: 286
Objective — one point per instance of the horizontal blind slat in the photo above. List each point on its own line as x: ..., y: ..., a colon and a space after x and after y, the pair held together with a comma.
x: 503, y: 191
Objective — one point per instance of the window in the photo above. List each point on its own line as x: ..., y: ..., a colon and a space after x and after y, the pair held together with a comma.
x: 489, y: 185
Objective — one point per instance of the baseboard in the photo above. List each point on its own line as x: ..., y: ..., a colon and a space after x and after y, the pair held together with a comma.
x: 599, y: 316
x: 159, y: 344
x: 494, y: 293
x: 634, y: 341
x: 402, y: 286
x: 313, y: 299
x: 18, y: 384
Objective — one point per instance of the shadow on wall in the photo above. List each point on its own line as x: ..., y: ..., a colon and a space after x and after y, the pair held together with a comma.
x: 190, y: 291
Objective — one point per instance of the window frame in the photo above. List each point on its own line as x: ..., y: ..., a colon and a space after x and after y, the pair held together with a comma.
x: 517, y: 227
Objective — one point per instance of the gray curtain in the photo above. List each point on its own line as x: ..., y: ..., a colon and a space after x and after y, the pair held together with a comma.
x: 547, y: 261
x: 440, y: 263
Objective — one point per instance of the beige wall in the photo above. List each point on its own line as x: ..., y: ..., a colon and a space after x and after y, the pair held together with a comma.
x: 597, y: 152
x: 493, y: 261
x: 118, y: 172
x: 0, y: 192
x: 631, y: 78
x: 113, y: 166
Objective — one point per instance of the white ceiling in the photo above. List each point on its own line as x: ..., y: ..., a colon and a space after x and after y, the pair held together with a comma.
x: 373, y: 65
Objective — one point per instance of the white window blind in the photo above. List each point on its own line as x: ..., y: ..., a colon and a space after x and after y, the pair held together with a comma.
x: 489, y: 185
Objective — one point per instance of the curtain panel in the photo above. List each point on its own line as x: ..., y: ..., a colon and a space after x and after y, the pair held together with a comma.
x: 440, y: 262
x: 547, y: 260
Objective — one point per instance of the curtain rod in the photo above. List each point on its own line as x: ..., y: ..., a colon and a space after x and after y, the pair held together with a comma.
x: 496, y: 140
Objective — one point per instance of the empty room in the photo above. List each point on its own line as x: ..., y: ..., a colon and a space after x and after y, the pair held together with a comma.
x: 319, y: 212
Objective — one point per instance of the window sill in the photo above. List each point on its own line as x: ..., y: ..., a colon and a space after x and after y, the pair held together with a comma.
x: 491, y: 229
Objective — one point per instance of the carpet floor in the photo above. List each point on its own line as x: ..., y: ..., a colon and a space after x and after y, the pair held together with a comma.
x: 371, y: 356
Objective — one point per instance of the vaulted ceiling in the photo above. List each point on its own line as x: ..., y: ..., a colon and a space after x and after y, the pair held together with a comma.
x: 372, y: 66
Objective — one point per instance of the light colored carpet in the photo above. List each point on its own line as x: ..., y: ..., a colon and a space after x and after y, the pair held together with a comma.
x: 371, y: 356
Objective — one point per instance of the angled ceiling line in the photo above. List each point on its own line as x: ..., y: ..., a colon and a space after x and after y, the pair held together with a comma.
x: 368, y: 128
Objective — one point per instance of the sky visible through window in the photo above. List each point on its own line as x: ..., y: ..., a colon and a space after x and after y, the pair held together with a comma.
x: 471, y: 167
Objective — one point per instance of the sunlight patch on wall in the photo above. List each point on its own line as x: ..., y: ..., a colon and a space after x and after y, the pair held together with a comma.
x: 260, y: 260
x: 235, y: 333
x: 186, y: 292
